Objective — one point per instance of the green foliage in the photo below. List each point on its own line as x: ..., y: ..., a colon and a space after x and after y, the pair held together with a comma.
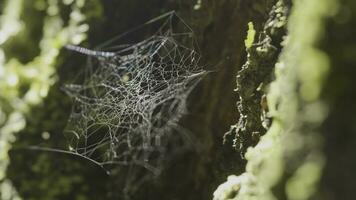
x: 31, y: 36
x: 41, y: 175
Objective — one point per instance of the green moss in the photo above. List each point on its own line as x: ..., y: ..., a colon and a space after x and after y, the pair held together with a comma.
x: 251, y: 34
x: 253, y: 78
x: 287, y: 161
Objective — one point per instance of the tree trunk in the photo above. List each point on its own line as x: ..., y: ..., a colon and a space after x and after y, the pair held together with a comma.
x: 274, y: 83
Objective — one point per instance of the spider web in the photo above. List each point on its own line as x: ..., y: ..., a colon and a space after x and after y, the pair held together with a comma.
x: 127, y: 106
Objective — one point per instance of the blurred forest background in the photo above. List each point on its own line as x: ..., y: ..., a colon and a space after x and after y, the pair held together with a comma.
x: 273, y: 119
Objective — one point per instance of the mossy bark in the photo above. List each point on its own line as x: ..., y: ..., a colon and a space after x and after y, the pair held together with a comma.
x: 312, y: 76
x: 220, y: 27
x: 306, y: 154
